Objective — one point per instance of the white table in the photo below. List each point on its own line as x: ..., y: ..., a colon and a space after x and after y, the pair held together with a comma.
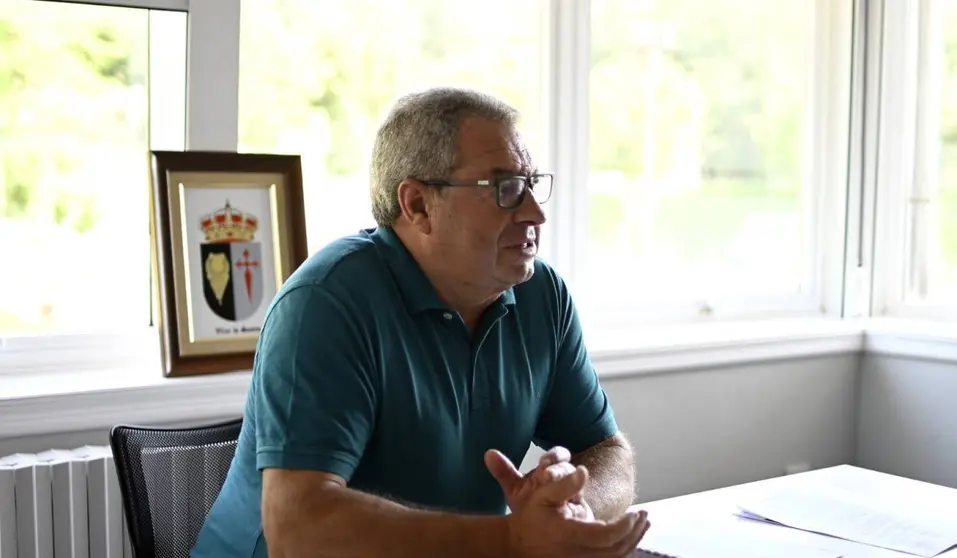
x: 714, y: 510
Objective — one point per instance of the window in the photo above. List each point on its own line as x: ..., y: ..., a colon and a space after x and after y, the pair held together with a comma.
x: 706, y: 153
x: 75, y: 124
x: 316, y: 77
x: 915, y: 250
x: 931, y: 248
x: 702, y: 189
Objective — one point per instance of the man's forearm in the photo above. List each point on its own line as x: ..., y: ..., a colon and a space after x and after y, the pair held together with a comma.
x: 351, y: 523
x: 611, y: 476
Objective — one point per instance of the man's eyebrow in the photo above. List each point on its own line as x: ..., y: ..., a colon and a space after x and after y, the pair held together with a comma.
x: 511, y: 170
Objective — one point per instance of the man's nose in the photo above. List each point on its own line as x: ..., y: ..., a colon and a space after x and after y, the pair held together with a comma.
x: 530, y: 212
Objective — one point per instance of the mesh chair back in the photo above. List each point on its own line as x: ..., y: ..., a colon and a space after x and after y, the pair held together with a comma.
x: 169, y: 479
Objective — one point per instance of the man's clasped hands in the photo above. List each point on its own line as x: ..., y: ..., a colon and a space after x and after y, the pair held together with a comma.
x: 550, y: 517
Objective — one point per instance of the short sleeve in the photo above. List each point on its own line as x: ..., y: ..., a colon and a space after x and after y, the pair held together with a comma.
x: 576, y: 414
x: 314, y: 393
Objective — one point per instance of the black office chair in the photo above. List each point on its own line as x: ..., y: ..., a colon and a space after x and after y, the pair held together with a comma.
x: 169, y: 478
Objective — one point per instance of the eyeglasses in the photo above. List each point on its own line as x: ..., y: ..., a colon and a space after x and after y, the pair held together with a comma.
x: 510, y: 189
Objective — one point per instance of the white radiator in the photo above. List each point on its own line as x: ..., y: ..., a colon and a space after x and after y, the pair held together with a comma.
x: 62, y: 504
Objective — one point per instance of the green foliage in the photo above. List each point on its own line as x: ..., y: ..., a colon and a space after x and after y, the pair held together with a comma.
x: 706, y: 101
x: 316, y: 76
x: 948, y: 99
x: 719, y: 86
x: 86, y: 219
x: 20, y: 172
x: 106, y: 54
x: 947, y: 179
x: 74, y: 210
x: 608, y: 206
x: 71, y: 103
x: 699, y: 226
x: 947, y: 204
x: 700, y: 108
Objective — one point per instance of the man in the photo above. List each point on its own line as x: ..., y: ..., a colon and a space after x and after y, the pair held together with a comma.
x: 402, y: 371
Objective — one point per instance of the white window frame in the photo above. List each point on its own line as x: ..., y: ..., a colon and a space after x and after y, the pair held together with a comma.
x: 827, y: 175
x: 910, y: 156
x: 566, y: 86
x: 212, y: 97
x: 863, y: 160
x: 172, y: 5
x: 212, y: 93
x: 838, y: 48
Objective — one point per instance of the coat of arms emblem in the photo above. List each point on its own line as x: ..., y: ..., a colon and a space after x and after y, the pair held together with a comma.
x: 231, y: 263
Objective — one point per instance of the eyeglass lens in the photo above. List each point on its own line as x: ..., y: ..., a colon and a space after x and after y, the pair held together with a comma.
x: 511, y: 189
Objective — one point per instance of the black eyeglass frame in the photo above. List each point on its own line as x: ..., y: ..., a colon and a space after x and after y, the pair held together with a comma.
x: 496, y: 181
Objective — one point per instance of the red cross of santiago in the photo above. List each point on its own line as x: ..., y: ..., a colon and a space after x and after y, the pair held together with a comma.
x: 247, y: 266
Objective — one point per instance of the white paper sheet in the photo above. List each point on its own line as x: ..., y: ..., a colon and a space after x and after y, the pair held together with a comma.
x: 704, y: 542
x: 899, y: 524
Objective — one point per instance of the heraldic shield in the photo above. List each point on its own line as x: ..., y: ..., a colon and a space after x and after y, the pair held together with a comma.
x: 231, y: 264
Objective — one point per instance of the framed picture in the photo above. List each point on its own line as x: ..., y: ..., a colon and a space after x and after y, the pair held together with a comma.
x: 228, y: 230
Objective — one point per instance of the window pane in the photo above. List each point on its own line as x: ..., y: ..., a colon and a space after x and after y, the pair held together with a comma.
x: 316, y: 77
x: 699, y: 119
x: 933, y: 276
x: 74, y: 240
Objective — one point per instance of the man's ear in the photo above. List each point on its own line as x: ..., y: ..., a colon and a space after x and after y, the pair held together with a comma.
x: 415, y: 200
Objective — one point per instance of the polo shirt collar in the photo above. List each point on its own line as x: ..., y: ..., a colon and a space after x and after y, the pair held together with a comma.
x: 417, y: 291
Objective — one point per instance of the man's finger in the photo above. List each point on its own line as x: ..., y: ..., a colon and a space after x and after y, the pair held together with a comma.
x: 564, y: 489
x: 502, y: 469
x: 639, y: 534
x: 554, y: 472
x: 630, y: 541
x: 557, y: 454
x: 604, y: 534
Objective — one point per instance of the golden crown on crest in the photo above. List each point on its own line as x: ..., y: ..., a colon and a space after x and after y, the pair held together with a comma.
x: 229, y: 225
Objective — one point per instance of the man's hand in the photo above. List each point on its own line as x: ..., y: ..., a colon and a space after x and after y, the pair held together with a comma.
x: 550, y: 516
x: 553, y: 465
x: 549, y: 525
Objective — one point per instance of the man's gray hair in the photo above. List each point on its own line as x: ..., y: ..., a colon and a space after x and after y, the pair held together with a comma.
x: 420, y: 139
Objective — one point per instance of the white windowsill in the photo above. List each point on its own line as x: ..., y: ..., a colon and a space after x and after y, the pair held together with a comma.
x: 50, y: 403
x: 47, y: 402
x: 682, y: 347
x: 909, y: 338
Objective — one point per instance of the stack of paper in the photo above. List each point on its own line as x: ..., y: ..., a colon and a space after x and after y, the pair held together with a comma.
x: 895, y: 513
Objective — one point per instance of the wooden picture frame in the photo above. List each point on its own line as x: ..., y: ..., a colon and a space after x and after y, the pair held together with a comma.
x: 228, y: 229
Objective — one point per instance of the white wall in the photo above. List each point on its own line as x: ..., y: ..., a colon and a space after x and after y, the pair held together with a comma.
x: 908, y: 418
x: 706, y: 428
x: 699, y: 429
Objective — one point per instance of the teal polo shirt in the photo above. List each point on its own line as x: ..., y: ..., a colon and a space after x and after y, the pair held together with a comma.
x: 363, y: 372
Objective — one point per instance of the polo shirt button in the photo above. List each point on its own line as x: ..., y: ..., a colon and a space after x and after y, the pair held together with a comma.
x: 447, y: 315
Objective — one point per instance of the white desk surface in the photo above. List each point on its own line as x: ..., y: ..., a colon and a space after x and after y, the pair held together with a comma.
x: 714, y: 510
